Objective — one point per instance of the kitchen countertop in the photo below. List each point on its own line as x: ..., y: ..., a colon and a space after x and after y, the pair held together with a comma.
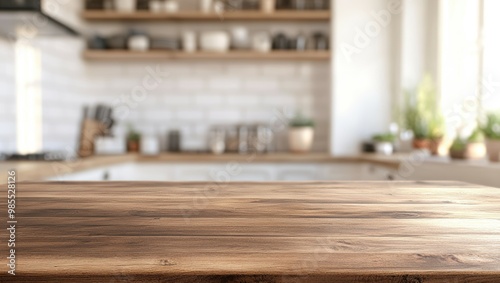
x: 39, y: 170
x: 373, y: 232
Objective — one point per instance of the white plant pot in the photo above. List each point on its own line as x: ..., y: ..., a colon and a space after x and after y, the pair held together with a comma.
x: 215, y: 41
x: 493, y: 148
x: 300, y: 139
x: 125, y: 5
x: 386, y: 148
x: 267, y: 6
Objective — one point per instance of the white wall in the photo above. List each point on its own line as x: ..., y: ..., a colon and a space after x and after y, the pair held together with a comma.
x: 362, y: 72
x: 7, y: 97
x: 63, y: 92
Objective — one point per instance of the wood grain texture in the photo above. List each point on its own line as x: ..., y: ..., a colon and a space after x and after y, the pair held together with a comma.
x: 256, y: 232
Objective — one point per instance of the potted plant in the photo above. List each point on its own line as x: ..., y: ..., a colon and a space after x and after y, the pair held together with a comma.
x: 133, y: 140
x: 418, y: 126
x: 423, y: 116
x: 471, y: 148
x: 476, y: 149
x: 491, y: 130
x: 436, y: 135
x: 301, y: 134
x: 458, y: 148
x: 384, y: 143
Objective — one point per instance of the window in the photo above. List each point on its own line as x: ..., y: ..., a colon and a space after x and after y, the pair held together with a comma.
x: 28, y: 98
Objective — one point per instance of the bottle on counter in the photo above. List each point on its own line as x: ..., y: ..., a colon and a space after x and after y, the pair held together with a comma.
x: 217, y: 140
x: 174, y: 141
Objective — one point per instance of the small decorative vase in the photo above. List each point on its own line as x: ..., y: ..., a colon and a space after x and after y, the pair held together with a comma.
x: 385, y: 148
x: 493, y: 148
x: 125, y: 5
x: 133, y: 146
x: 268, y: 6
x: 435, y: 146
x: 475, y: 150
x: 300, y: 139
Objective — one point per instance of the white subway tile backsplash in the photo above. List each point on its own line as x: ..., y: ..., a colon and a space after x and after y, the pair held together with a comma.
x: 225, y: 84
x: 261, y: 84
x: 179, y: 99
x: 156, y: 115
x: 279, y: 100
x: 190, y: 84
x: 226, y: 116
x: 283, y: 69
x: 243, y: 69
x: 236, y: 100
x: 190, y: 115
x: 209, y: 99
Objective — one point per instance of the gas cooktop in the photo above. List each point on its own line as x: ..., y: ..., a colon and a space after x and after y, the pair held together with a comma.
x: 42, y: 156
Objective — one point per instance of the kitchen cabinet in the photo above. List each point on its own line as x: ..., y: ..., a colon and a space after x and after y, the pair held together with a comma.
x: 243, y: 172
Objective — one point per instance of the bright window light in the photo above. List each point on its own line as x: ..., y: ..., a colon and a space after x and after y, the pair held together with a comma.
x: 28, y: 98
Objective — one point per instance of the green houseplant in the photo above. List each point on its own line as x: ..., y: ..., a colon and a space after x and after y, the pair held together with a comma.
x: 470, y: 148
x: 491, y: 130
x: 300, y: 134
x: 384, y: 143
x: 423, y: 117
x: 133, y: 140
x: 436, y: 134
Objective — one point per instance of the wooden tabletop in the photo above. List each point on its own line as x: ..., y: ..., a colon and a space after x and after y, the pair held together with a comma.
x: 410, y: 232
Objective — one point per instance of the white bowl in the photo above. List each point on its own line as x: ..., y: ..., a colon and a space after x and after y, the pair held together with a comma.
x: 215, y: 41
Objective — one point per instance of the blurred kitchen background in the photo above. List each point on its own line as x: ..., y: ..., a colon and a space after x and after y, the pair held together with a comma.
x: 300, y: 81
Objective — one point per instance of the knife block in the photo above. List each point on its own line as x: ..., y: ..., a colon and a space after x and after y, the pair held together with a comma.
x: 89, y: 131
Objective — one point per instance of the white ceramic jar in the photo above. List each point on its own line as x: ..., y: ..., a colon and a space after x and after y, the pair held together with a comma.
x: 138, y: 43
x: 261, y: 42
x: 150, y: 145
x: 240, y: 37
x: 156, y: 6
x: 215, y: 41
x: 189, y: 41
x: 300, y: 139
x: 171, y: 6
x: 125, y: 5
x: 267, y: 6
x: 206, y: 6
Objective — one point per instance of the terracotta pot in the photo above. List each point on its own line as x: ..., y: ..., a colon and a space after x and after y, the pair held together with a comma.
x: 133, y: 146
x: 300, y: 139
x: 493, y: 148
x: 471, y: 151
x: 440, y: 147
x: 435, y: 145
x: 421, y: 143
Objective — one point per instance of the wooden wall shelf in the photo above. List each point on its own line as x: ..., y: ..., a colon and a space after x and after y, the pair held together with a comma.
x: 104, y: 55
x: 285, y: 15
